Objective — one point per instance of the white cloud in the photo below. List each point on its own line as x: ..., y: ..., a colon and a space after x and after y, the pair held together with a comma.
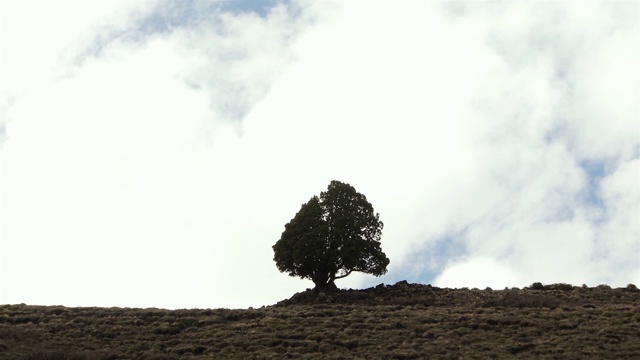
x: 619, y: 234
x: 160, y: 170
x: 478, y: 273
x: 551, y: 123
x: 110, y: 161
x: 38, y: 37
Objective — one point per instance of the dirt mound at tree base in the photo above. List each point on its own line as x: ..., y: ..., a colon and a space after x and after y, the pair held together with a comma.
x: 404, y: 293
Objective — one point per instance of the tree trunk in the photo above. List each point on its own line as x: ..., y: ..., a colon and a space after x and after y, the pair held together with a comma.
x: 325, y: 288
x: 325, y: 285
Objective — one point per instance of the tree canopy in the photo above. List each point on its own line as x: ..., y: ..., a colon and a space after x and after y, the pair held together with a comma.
x: 332, y: 236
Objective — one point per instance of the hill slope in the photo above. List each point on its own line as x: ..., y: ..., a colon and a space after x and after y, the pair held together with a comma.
x: 401, y: 321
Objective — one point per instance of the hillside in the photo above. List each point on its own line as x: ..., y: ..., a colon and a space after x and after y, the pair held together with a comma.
x: 401, y: 321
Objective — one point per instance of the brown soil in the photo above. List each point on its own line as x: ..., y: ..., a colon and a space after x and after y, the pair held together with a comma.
x: 401, y: 321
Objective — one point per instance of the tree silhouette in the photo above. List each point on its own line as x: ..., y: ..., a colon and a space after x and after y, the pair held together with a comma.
x: 330, y: 237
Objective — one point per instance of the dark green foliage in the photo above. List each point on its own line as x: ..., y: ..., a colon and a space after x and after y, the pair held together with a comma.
x: 332, y: 236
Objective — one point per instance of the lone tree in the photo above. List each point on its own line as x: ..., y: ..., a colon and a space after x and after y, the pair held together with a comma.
x: 330, y: 237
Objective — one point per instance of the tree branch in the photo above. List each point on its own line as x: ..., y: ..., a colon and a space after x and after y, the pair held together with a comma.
x: 345, y: 275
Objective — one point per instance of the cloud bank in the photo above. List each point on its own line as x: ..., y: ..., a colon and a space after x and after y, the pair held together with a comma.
x: 154, y: 152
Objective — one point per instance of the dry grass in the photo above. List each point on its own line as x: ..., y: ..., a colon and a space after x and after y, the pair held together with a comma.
x: 403, y: 321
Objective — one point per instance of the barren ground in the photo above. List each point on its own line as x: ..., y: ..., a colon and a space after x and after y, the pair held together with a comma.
x: 401, y: 321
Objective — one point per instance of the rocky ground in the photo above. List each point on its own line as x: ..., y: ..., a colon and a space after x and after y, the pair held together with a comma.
x: 401, y: 321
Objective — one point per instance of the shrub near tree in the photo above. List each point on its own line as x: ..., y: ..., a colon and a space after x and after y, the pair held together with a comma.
x: 330, y: 237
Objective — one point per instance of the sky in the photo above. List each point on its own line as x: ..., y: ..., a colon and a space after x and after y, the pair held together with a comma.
x: 151, y: 152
